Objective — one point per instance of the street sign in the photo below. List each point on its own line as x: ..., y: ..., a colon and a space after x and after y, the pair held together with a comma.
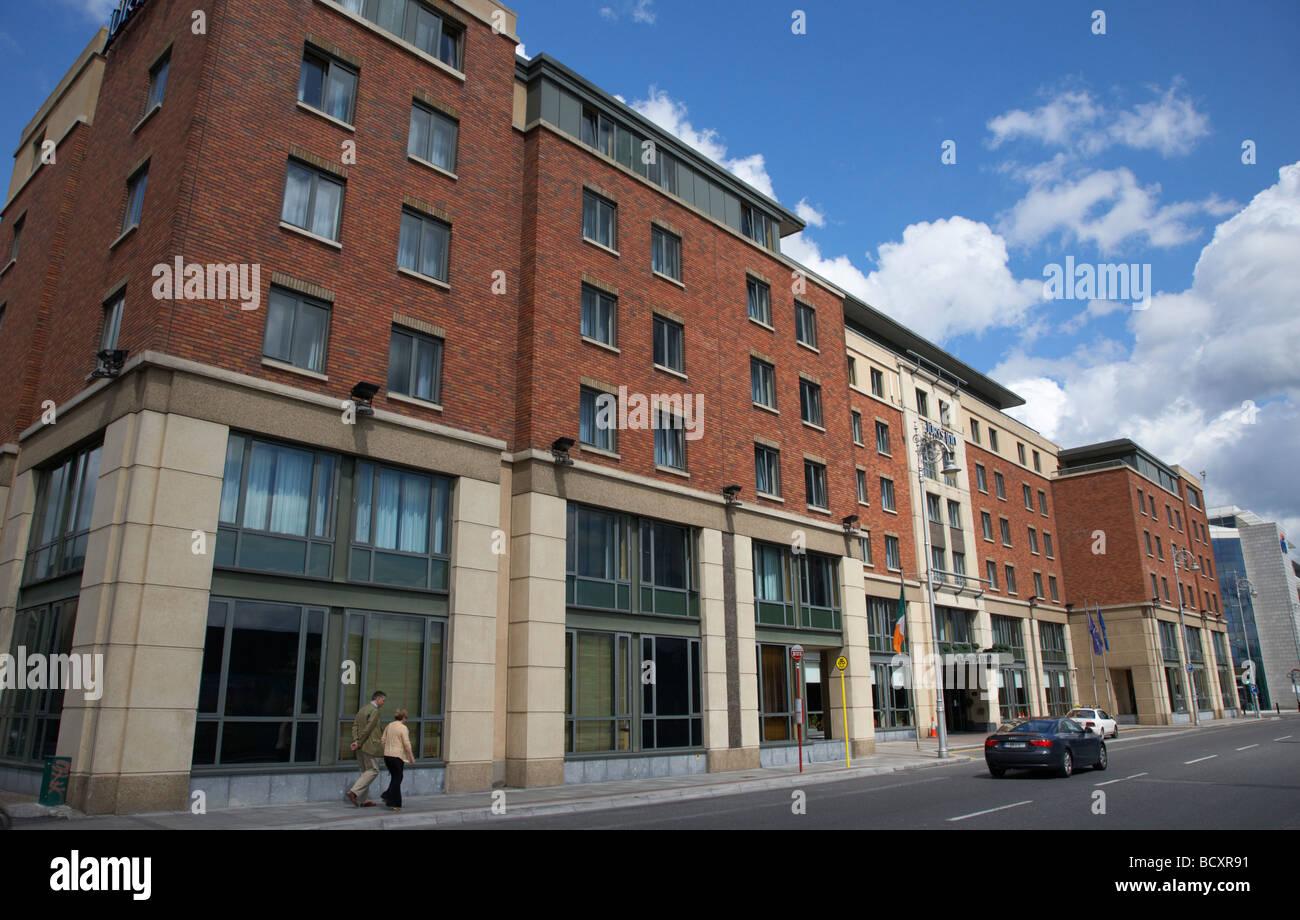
x: 842, y: 663
x: 796, y: 652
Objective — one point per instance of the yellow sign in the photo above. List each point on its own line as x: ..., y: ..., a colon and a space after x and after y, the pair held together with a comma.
x: 842, y: 663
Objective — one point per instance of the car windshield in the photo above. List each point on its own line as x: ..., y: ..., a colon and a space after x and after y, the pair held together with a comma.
x: 1079, y: 714
x: 1035, y: 726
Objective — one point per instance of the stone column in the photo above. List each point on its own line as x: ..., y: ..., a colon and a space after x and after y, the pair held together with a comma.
x: 857, y: 679
x: 13, y: 549
x: 535, y: 682
x: 746, y: 755
x: 713, y: 643
x: 143, y: 607
x: 476, y: 556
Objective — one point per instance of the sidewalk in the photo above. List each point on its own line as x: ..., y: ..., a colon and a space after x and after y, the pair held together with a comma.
x: 432, y: 811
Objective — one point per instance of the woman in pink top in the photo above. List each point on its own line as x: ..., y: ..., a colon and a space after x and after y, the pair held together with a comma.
x: 397, y: 753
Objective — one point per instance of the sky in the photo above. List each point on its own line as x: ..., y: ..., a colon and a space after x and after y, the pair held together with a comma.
x: 947, y: 155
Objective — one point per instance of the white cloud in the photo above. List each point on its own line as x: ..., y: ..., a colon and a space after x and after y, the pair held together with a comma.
x: 641, y: 11
x: 1105, y: 208
x: 1198, y: 357
x: 671, y: 115
x: 809, y: 214
x: 1076, y: 121
x: 519, y: 50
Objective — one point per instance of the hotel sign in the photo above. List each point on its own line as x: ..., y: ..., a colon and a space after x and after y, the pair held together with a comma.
x: 125, y: 10
x: 942, y: 434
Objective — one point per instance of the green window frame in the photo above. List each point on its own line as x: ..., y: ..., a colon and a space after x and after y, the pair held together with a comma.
x: 29, y: 717
x: 60, y: 527
x: 401, y: 532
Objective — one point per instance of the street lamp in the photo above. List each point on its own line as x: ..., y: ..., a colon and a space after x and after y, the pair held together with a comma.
x: 929, y: 448
x: 1239, y: 582
x: 1187, y: 560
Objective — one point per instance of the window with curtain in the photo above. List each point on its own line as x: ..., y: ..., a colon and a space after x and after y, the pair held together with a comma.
x: 819, y: 591
x: 428, y: 29
x: 402, y: 528
x: 313, y: 200
x: 597, y: 564
x: 666, y: 253
x: 415, y: 365
x: 327, y: 85
x: 597, y: 692
x: 277, y: 508
x: 424, y: 245
x: 891, y: 700
x: 773, y: 595
x: 297, y: 330
x: 760, y: 301
x: 805, y: 326
x: 762, y: 383
x: 432, y: 137
x: 135, y: 188
x: 598, y: 314
x: 668, y: 344
x: 158, y: 81
x: 767, y: 470
x: 775, y: 693
x: 597, y: 415
x: 670, y: 440
x: 599, y: 220
x: 887, y: 494
x: 60, y: 527
x: 893, y: 554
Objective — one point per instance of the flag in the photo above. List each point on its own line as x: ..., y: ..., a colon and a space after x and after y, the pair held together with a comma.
x: 900, y: 622
x: 1103, y: 628
x: 1096, y: 636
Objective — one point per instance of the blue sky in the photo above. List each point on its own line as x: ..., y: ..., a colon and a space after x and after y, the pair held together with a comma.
x: 1116, y: 147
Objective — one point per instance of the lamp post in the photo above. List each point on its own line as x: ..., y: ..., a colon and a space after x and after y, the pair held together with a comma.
x: 1184, y: 557
x: 932, y: 449
x: 1239, y: 582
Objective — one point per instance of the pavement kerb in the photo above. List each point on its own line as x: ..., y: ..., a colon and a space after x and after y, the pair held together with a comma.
x: 606, y: 802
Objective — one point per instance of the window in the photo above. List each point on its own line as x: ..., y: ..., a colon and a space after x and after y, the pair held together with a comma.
x: 937, y: 564
x: 599, y: 220
x: 60, y: 527
x: 1169, y: 513
x: 1194, y: 499
x: 864, y: 550
x: 893, y: 558
x: 403, y: 526
x: 805, y: 328
x: 1155, y: 589
x: 853, y: 370
x: 1042, y: 503
x: 668, y: 583
x: 855, y: 421
x: 767, y: 470
x: 934, y: 509
x: 975, y: 430
x: 598, y: 692
x: 1000, y: 485
x: 112, y: 328
x: 313, y: 201
x: 415, y: 365
x: 959, y: 567
x: 814, y: 480
x: 327, y: 85
x: 1038, y: 584
x: 665, y: 253
x: 1011, y: 578
x: 671, y: 715
x: 993, y: 439
x: 158, y: 81
x: 758, y: 226
x: 882, y: 438
x: 1006, y: 531
x: 762, y: 383
x: 954, y: 514
x: 668, y: 344
x: 1178, y: 520
x: 597, y: 566
x: 419, y: 25
x: 986, y: 525
x: 981, y: 478
x: 1033, y: 541
x: 1051, y: 586
x: 991, y: 573
x: 1152, y: 499
x: 1160, y: 550
x: 887, y: 494
x: 922, y: 404
x: 596, y: 419
x: 135, y: 187
x: 1142, y: 503
x: 945, y: 419
x: 1164, y: 584
x: 18, y: 235
x: 1029, y: 497
x: 31, y: 717
x: 1020, y: 453
x: 670, y: 440
x: 598, y: 315
x: 1147, y: 536
x: 862, y: 486
x: 598, y: 130
x: 1047, y: 545
x: 424, y: 245
x: 277, y: 508
x: 877, y: 383
x: 38, y: 143
x: 810, y: 402
x: 1038, y: 462
x: 433, y: 137
x: 760, y: 301
x: 297, y: 330
x: 664, y: 171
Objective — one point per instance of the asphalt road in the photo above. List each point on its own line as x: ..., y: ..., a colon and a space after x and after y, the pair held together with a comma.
x: 1240, y: 775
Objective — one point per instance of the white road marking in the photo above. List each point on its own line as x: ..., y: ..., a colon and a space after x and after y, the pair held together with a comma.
x: 989, y: 811
x: 1283, y: 738
x: 1120, y: 779
x: 1199, y: 759
x: 1247, y: 747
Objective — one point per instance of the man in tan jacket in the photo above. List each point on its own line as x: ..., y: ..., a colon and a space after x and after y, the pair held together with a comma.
x: 369, y: 746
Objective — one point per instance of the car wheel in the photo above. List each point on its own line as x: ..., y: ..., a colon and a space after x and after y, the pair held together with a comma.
x: 1115, y: 734
x: 1067, y: 764
x: 997, y: 772
x: 1101, y: 758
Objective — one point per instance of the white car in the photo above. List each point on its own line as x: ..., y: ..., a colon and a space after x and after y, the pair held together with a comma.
x: 1096, y: 719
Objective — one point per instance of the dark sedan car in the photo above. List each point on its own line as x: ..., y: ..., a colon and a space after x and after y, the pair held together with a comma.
x: 1060, y: 745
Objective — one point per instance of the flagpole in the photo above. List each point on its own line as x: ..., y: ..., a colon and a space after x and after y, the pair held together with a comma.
x: 1105, y: 670
x: 1092, y: 651
x: 911, y: 692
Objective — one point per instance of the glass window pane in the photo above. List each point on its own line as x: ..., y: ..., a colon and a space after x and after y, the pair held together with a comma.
x: 309, y: 337
x: 365, y: 488
x: 297, y: 195
x: 399, y: 363
x: 342, y: 90
x: 408, y: 247
x: 421, y: 135
x: 433, y: 257
x: 444, y: 143
x: 263, y: 667
x: 325, y: 211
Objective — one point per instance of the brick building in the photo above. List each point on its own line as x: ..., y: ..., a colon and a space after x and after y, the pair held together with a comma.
x: 1134, y: 539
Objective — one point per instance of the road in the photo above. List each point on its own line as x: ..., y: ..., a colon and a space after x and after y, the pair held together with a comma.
x: 1240, y: 775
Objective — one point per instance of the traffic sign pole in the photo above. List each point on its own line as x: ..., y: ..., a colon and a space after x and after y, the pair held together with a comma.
x: 843, y: 663
x: 796, y: 652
